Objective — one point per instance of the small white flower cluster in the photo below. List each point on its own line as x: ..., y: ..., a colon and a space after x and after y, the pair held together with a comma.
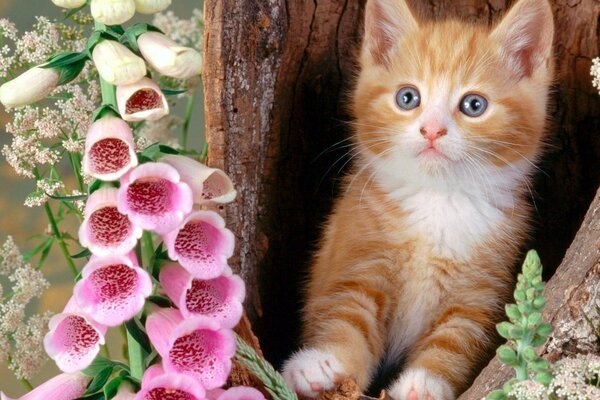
x: 45, y: 188
x: 161, y: 131
x: 595, y: 72
x: 576, y: 378
x: 25, y: 334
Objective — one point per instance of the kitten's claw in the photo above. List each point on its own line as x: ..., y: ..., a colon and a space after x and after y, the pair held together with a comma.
x: 419, y: 384
x: 311, y: 371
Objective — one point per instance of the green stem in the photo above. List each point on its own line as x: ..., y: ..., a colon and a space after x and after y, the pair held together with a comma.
x: 75, y: 159
x: 26, y: 384
x: 204, y: 153
x: 147, y: 248
x: 186, y: 120
x: 60, y: 239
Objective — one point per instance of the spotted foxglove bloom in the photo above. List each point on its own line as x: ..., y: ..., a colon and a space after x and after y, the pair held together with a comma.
x: 109, y: 149
x: 112, y: 12
x: 168, y: 58
x: 220, y: 298
x: 104, y: 230
x: 29, y: 87
x: 141, y: 100
x: 195, y: 346
x: 74, y: 339
x: 236, y: 393
x: 154, y: 198
x: 151, y: 6
x: 209, y: 185
x: 112, y: 289
x: 69, y: 3
x: 201, y: 244
x: 159, y: 385
x: 61, y: 387
x: 117, y: 64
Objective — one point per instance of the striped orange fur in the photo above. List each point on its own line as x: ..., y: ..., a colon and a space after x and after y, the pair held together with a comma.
x: 416, y: 260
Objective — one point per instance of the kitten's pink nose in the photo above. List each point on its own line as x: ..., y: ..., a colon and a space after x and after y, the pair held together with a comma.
x: 433, y: 132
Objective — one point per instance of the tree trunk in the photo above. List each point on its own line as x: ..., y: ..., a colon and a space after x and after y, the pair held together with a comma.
x: 275, y: 78
x: 573, y: 301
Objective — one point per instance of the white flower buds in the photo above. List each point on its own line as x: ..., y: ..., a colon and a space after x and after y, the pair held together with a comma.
x: 142, y: 100
x: 168, y: 58
x: 151, y: 6
x: 117, y: 64
x: 69, y: 3
x: 29, y: 87
x: 112, y: 12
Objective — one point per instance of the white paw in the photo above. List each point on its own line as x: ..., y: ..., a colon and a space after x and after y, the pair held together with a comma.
x: 311, y: 371
x: 420, y: 384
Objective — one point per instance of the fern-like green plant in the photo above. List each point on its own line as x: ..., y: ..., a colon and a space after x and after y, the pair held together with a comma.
x: 525, y: 329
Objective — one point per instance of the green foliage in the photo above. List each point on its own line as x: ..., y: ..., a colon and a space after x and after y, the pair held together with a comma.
x: 525, y: 330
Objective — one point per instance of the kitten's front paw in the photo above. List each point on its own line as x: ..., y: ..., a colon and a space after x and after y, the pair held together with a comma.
x: 311, y: 371
x: 420, y: 384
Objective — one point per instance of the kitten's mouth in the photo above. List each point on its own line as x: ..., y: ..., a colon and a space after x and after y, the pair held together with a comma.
x: 432, y: 152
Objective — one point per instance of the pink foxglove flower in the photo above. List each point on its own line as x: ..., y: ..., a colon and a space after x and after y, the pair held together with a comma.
x: 158, y: 385
x: 201, y: 244
x: 141, y: 100
x: 109, y: 149
x: 29, y: 87
x: 239, y: 393
x: 74, y: 339
x: 112, y: 12
x: 112, y: 289
x: 125, y: 392
x: 207, y: 184
x: 69, y: 3
x: 151, y: 6
x: 117, y: 64
x: 104, y: 230
x: 168, y: 58
x: 154, y: 198
x: 195, y: 346
x: 61, y: 387
x: 220, y: 298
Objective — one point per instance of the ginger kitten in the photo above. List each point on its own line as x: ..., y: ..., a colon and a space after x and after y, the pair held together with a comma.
x: 416, y: 261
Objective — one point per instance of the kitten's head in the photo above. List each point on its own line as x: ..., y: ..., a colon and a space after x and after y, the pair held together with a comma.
x: 433, y: 98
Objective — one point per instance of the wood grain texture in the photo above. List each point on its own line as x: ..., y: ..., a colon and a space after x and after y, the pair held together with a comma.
x: 276, y: 77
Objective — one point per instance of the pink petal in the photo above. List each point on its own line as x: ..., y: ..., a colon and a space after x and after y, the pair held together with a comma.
x: 112, y: 290
x: 73, y: 341
x: 207, y: 184
x: 61, y: 387
x: 202, y: 244
x: 109, y: 149
x: 214, y: 394
x: 104, y: 230
x: 169, y: 386
x: 142, y: 100
x: 153, y: 197
x: 152, y: 372
x: 201, y: 350
x: 220, y: 298
x: 241, y: 393
x: 160, y: 325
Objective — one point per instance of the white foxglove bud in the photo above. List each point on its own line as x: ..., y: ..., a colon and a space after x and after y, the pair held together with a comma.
x: 29, y: 87
x: 142, y: 100
x: 117, y: 64
x: 168, y: 58
x: 151, y: 6
x: 113, y: 12
x: 69, y: 3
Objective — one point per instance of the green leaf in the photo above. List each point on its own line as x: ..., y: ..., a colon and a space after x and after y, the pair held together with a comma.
x: 534, y: 319
x: 149, y: 360
x: 544, y: 378
x: 544, y: 330
x: 112, y: 387
x: 45, y: 253
x: 496, y: 395
x: 130, y: 36
x: 539, y: 365
x: 167, y: 150
x: 516, y: 332
x: 539, y: 302
x: 138, y: 333
x: 161, y: 301
x: 99, y: 380
x: 73, y: 11
x: 503, y: 329
x: 64, y: 59
x: 104, y: 110
x: 100, y: 363
x: 69, y: 198
x: 538, y: 340
x: 520, y: 295
x: 173, y: 92
x: 29, y: 255
x: 512, y: 311
x: 507, y: 355
x: 529, y: 354
x: 83, y: 253
x: 95, y: 185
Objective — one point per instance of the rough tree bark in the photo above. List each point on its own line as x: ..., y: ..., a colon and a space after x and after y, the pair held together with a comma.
x: 275, y: 78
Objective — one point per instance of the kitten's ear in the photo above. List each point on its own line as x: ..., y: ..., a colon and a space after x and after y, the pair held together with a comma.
x: 386, y: 23
x: 525, y: 35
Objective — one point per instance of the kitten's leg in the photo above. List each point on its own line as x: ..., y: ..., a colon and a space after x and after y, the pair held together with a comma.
x: 344, y: 336
x: 441, y: 363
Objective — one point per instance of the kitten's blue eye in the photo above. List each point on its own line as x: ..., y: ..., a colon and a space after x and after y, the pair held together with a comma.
x: 473, y: 105
x: 408, y: 98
